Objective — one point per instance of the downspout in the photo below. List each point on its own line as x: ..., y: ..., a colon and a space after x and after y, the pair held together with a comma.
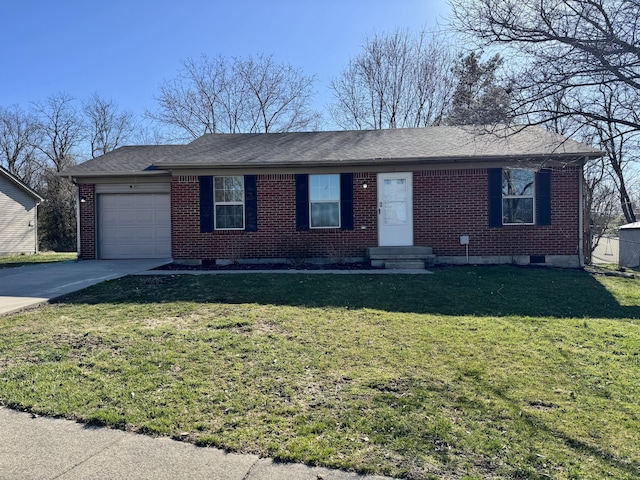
x: 77, y: 216
x: 581, y: 214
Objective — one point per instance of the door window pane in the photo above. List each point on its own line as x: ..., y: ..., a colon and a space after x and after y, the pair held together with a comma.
x: 394, y: 205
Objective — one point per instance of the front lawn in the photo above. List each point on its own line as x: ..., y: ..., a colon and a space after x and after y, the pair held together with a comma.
x: 472, y: 372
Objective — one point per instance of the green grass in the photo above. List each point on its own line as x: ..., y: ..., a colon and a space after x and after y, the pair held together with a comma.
x: 486, y: 372
x: 10, y: 261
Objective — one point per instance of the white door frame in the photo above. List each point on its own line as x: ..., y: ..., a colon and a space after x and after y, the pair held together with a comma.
x: 395, y: 209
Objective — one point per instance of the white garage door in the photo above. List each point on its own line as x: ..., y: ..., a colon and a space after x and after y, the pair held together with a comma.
x: 134, y: 225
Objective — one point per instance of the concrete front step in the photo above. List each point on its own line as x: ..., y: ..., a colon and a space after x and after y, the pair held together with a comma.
x: 404, y: 265
x: 401, y: 257
x: 398, y: 252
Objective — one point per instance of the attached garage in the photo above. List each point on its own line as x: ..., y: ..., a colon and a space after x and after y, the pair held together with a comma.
x: 134, y: 225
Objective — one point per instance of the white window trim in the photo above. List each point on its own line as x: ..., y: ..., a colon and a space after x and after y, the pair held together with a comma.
x: 532, y: 197
x: 311, y: 227
x: 215, y: 204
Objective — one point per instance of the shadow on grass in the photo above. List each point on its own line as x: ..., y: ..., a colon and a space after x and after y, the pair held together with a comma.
x: 484, y: 291
x: 547, y: 427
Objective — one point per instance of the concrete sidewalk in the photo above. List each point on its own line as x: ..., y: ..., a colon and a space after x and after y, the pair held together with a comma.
x: 46, y: 449
x: 31, y: 285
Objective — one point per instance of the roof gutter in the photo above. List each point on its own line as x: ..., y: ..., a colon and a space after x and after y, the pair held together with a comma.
x: 257, y: 164
x: 139, y: 173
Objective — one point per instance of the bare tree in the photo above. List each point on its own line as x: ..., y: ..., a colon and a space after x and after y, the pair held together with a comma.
x: 573, y: 59
x: 37, y: 145
x: 236, y: 95
x: 107, y: 127
x: 620, y: 142
x: 18, y: 139
x: 397, y: 81
x: 600, y: 198
x: 600, y: 205
x: 192, y: 102
x: 616, y: 170
x: 61, y: 132
x: 276, y: 97
x: 571, y: 46
x: 61, y: 129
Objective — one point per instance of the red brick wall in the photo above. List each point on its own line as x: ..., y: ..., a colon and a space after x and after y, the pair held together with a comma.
x: 447, y: 204
x: 276, y: 236
x: 452, y: 203
x: 87, y: 221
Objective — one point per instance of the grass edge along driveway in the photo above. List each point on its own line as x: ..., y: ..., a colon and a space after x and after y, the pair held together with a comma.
x: 485, y: 372
x: 12, y: 261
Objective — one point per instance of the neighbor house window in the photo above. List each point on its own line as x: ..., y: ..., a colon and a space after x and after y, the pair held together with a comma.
x: 324, y: 201
x: 228, y: 199
x: 518, y: 202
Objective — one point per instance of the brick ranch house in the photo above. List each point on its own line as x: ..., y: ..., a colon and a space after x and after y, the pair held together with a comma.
x: 452, y: 194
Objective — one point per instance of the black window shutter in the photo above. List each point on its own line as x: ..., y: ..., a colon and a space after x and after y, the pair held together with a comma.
x: 495, y: 197
x: 251, y: 203
x: 346, y: 201
x: 543, y: 197
x: 302, y: 202
x: 206, y: 204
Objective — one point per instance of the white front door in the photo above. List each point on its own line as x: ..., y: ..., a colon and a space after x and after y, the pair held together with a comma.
x: 395, y: 209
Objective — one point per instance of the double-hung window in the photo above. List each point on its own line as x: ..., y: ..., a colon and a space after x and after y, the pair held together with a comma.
x: 518, y: 196
x: 228, y: 199
x: 324, y: 201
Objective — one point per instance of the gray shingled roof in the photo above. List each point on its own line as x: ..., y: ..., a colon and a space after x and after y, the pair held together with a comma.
x: 358, y: 147
x: 138, y: 160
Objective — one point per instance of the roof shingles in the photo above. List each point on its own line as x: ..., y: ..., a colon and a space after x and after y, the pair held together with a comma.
x: 355, y: 147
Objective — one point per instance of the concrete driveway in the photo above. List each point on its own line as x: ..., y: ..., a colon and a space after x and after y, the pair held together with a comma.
x: 31, y: 285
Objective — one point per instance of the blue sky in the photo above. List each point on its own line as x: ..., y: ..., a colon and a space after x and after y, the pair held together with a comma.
x: 123, y: 50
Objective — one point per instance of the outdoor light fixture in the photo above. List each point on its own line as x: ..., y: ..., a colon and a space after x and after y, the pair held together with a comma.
x: 83, y: 199
x: 365, y: 184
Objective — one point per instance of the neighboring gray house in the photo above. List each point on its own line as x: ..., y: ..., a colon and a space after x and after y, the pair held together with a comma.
x: 18, y: 216
x: 630, y: 245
